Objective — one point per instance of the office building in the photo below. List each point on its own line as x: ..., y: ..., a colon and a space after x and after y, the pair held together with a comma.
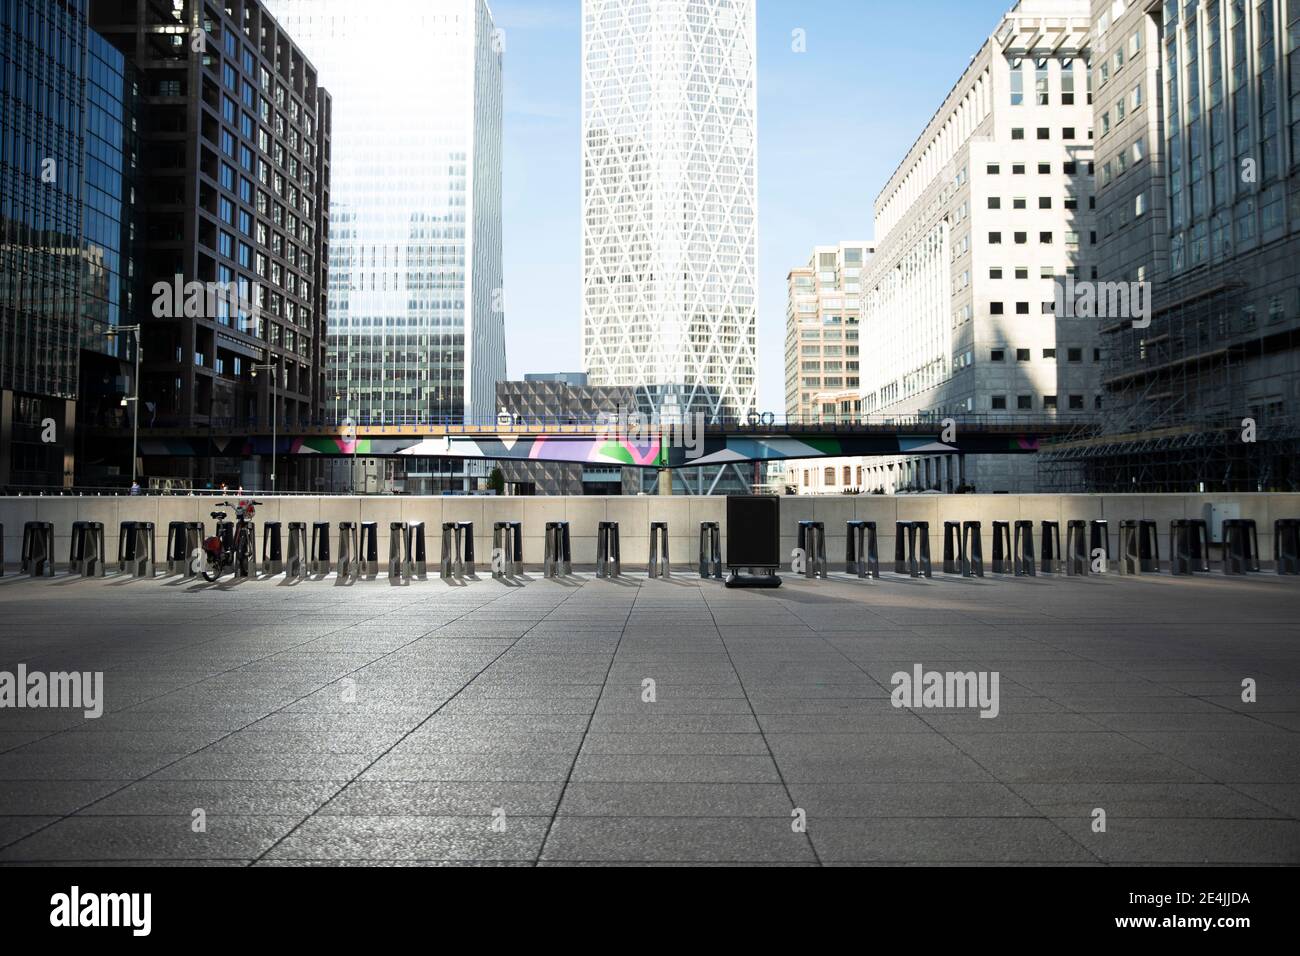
x: 417, y: 325
x: 988, y: 211
x: 670, y: 211
x: 822, y: 378
x: 1198, y: 120
x: 232, y: 194
x: 65, y: 158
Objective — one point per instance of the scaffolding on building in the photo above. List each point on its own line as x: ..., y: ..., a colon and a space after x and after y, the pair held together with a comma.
x: 1178, y: 414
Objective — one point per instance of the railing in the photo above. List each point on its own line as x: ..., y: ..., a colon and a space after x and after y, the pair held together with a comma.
x: 612, y: 421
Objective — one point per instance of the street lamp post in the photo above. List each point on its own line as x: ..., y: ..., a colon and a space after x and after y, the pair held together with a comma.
x: 270, y: 395
x: 135, y: 387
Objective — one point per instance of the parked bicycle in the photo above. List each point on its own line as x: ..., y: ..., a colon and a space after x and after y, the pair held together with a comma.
x: 232, y: 548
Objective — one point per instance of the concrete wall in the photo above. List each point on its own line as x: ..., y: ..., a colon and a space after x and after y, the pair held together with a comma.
x: 634, y: 515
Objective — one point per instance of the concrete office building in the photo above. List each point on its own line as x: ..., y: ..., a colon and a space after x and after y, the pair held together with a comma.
x: 987, y: 211
x: 563, y: 398
x: 821, y: 334
x: 417, y: 318
x: 670, y: 205
x: 232, y: 192
x: 1207, y: 396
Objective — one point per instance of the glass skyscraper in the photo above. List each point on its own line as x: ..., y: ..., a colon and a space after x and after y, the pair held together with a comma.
x: 64, y: 244
x: 416, y: 320
x: 670, y: 208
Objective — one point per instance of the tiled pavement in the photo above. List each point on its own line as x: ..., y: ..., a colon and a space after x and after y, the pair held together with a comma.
x: 318, y: 723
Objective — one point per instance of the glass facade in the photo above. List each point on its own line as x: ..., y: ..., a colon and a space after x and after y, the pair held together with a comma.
x: 42, y: 58
x: 108, y: 162
x: 416, y: 316
x: 1229, y: 148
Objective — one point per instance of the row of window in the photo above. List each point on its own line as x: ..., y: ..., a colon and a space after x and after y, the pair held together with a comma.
x: 1044, y: 169
x: 1044, y: 238
x: 1025, y: 403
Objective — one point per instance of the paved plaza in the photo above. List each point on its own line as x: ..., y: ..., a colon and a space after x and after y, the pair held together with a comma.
x: 264, y: 723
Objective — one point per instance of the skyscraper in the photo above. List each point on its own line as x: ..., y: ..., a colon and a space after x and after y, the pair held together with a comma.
x: 670, y: 208
x: 417, y: 329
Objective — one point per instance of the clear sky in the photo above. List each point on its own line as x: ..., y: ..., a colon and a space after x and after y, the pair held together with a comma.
x: 833, y: 124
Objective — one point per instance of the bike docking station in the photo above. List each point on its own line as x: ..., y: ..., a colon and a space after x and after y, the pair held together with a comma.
x: 753, y: 541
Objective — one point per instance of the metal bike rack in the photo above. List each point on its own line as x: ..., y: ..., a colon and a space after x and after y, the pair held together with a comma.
x: 660, y: 565
x: 1022, y: 550
x: 272, y: 549
x: 295, y: 564
x: 86, y: 552
x: 349, y: 551
x: 608, y: 558
x: 557, y: 558
x: 368, y: 551
x: 1240, y: 546
x: 1189, y: 546
x: 1139, y: 547
x: 862, y: 550
x: 710, y: 550
x: 320, y: 548
x: 912, y: 549
x: 507, y: 541
x: 1051, y: 547
x: 812, y: 542
x: 1286, y: 546
x: 972, y: 545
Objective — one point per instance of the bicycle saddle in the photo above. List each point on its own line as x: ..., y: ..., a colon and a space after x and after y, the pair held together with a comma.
x: 219, y: 516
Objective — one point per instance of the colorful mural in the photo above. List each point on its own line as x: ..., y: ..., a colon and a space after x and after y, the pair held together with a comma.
x: 604, y: 450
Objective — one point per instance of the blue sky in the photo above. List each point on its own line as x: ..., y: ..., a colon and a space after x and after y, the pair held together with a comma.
x: 833, y: 124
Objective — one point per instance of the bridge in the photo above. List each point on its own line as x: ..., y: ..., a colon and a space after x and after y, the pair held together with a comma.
x: 603, y: 444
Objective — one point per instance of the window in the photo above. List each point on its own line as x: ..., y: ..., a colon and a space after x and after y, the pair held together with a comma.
x: 1022, y: 272
x: 1140, y: 204
x: 1017, y: 82
x: 1041, y: 82
x: 1049, y: 403
x: 995, y: 202
x: 830, y: 476
x: 1044, y: 169
x: 998, y: 403
x: 993, y: 169
x: 1025, y: 403
x: 1076, y: 403
x: 1044, y: 202
x: 995, y: 238
x: 1018, y: 133
x: 1022, y: 308
x: 1074, y: 355
x: 995, y: 272
x: 1017, y: 169
x: 1049, y: 353
x: 1045, y: 238
x: 1139, y: 150
x: 997, y: 355
x: 995, y: 308
x: 1018, y: 202
x: 1070, y: 169
x: 1022, y: 355
x: 1044, y: 132
x: 1021, y: 238
x: 1067, y: 133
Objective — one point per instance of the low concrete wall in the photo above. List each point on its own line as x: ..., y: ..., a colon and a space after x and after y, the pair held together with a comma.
x: 634, y: 515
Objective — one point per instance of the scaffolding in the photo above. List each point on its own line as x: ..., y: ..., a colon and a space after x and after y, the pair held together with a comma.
x: 1178, y: 411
